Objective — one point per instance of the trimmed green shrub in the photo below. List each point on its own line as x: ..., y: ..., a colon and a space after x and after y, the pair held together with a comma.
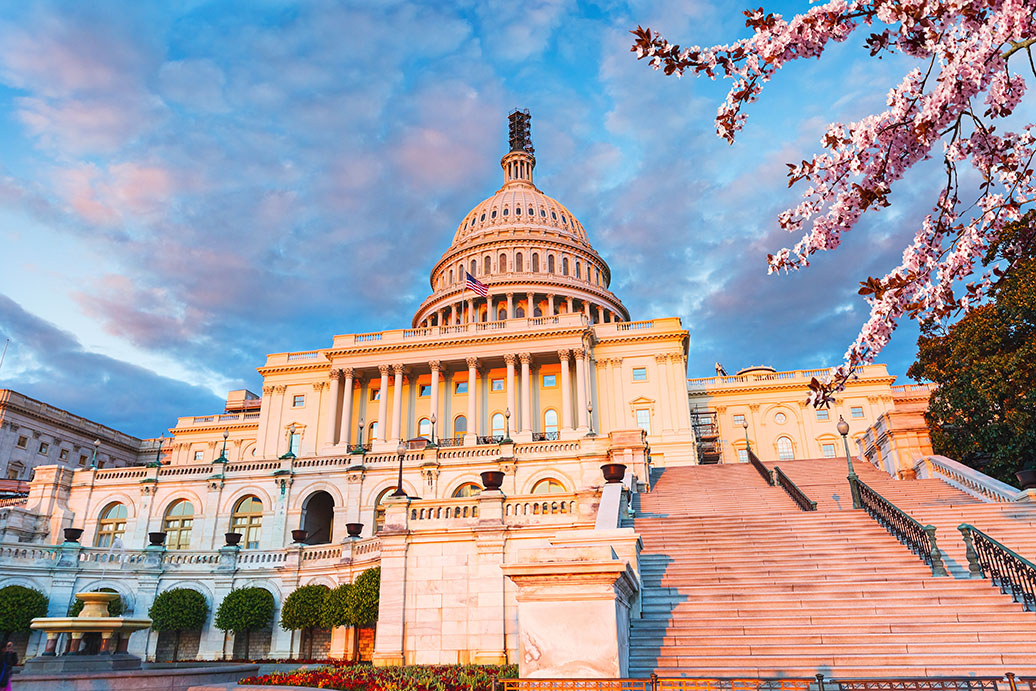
x: 335, y: 611
x: 362, y: 600
x: 245, y: 610
x: 178, y: 609
x: 115, y: 608
x: 19, y: 606
x: 302, y: 610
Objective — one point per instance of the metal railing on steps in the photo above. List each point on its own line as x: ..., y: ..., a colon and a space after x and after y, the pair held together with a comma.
x: 1008, y: 570
x: 758, y: 465
x: 919, y: 539
x: 1008, y: 682
x: 800, y: 498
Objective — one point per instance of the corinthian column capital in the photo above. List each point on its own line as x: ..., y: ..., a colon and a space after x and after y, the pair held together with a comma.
x: 435, y: 365
x: 563, y: 354
x: 472, y: 362
x: 510, y: 358
x: 384, y: 369
x: 526, y: 358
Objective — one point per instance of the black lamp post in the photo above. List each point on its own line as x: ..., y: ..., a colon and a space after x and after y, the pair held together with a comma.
x: 359, y: 437
x: 400, y: 451
x: 843, y: 429
x: 748, y: 444
x: 223, y: 454
x: 93, y: 457
x: 433, y: 420
x: 590, y: 415
x: 507, y: 422
x: 291, y: 438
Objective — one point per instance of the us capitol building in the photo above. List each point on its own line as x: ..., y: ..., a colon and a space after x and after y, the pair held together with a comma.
x: 544, y: 379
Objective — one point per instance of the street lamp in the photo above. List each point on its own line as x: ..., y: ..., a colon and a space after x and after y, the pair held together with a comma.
x: 433, y: 420
x: 291, y: 438
x: 507, y: 422
x: 359, y: 437
x: 93, y: 458
x: 843, y: 429
x: 400, y: 451
x: 223, y: 454
x: 748, y: 444
x: 590, y: 415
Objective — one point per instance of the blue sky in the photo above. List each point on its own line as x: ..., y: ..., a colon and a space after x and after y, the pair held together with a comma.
x: 187, y: 186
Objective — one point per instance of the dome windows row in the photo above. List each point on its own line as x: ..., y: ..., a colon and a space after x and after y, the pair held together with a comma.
x: 553, y: 263
x: 517, y: 212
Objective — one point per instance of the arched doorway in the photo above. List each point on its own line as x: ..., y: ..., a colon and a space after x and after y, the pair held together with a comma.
x: 318, y: 515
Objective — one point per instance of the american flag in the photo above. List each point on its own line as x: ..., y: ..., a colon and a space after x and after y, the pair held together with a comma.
x: 475, y: 285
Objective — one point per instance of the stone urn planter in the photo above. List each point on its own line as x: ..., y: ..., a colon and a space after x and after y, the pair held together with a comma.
x: 354, y: 529
x: 73, y: 534
x: 233, y: 539
x: 492, y: 479
x: 157, y: 539
x: 613, y: 472
x: 299, y: 536
x: 1027, y: 478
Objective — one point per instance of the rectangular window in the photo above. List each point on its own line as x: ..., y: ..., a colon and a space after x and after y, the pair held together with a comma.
x: 424, y: 390
x: 644, y: 420
x: 63, y: 455
x: 742, y: 455
x: 856, y: 412
x: 550, y: 381
x: 496, y: 385
x: 462, y: 387
x: 298, y: 400
x: 822, y: 414
x: 199, y: 455
x: 739, y: 420
x: 82, y: 459
x: 640, y: 374
x: 829, y: 450
x: 22, y: 442
x: 375, y: 394
x: 44, y: 448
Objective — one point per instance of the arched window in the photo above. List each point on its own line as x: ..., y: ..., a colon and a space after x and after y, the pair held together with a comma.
x: 499, y: 425
x: 564, y: 266
x: 474, y: 267
x: 318, y: 518
x: 111, y: 525
x: 536, y: 311
x: 785, y: 452
x: 372, y: 431
x: 451, y: 276
x: 502, y: 267
x: 460, y: 425
x: 501, y: 314
x: 550, y: 423
x: 550, y: 263
x: 577, y: 270
x: 518, y: 265
x: 548, y: 486
x: 379, y: 509
x: 487, y: 265
x: 519, y: 311
x: 248, y: 520
x: 468, y: 489
x: 424, y: 428
x: 177, y: 525
x: 535, y: 262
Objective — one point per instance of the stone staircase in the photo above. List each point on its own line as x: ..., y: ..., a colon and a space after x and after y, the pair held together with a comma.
x: 739, y: 582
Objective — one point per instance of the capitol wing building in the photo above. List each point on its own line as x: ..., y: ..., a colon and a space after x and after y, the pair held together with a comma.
x: 521, y: 362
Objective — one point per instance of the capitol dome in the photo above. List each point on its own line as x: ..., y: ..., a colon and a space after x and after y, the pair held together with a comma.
x: 530, y: 252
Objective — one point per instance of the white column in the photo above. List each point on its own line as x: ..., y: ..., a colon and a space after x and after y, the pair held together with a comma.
x: 332, y: 407
x: 586, y: 311
x: 510, y: 308
x: 397, y: 403
x: 526, y: 393
x: 471, y: 310
x: 469, y: 438
x: 530, y: 310
x: 509, y: 359
x: 566, y: 395
x: 621, y: 421
x: 581, y: 398
x: 383, y: 404
x: 345, y: 433
x: 433, y: 412
x: 568, y: 301
x: 550, y: 306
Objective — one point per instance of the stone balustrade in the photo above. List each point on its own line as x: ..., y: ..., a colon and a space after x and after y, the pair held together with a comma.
x: 967, y: 480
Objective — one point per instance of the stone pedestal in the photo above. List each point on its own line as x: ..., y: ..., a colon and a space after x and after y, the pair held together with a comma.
x: 573, y: 612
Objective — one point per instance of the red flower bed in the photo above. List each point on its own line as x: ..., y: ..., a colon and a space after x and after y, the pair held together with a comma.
x: 409, y: 678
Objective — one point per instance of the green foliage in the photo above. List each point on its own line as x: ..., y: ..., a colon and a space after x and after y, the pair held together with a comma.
x: 335, y: 611
x: 245, y: 609
x: 408, y: 678
x: 303, y: 607
x: 983, y: 412
x: 363, y: 597
x: 115, y: 607
x: 179, y: 609
x: 19, y: 606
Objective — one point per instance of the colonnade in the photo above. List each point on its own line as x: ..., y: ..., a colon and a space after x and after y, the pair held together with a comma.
x: 519, y: 377
x: 475, y: 309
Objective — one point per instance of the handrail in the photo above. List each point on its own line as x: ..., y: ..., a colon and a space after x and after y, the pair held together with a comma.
x: 918, y: 539
x: 988, y: 557
x: 754, y: 683
x: 763, y: 470
x: 804, y: 502
x: 966, y: 479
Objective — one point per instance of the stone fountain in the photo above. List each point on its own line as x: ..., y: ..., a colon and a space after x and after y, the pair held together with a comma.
x: 94, y: 618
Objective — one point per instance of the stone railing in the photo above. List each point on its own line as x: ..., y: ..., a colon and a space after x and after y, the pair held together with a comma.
x: 322, y: 553
x: 28, y: 554
x: 13, y: 501
x: 181, y: 470
x: 795, y: 375
x: 442, y: 510
x: 367, y: 550
x: 186, y: 557
x: 305, y: 356
x: 253, y: 466
x: 209, y: 420
x: 110, y: 474
x: 967, y: 480
x: 539, y: 508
